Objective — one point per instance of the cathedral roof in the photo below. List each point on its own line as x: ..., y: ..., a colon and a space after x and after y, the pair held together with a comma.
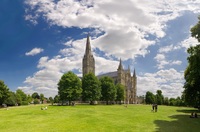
x: 110, y: 74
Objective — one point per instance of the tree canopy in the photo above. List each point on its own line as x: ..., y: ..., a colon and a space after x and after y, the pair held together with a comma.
x: 108, y: 90
x: 21, y: 97
x: 42, y: 98
x: 69, y: 87
x: 4, y: 92
x: 120, y: 92
x: 192, y: 72
x: 35, y: 95
x: 91, y: 88
x: 149, y: 98
x: 159, y: 97
x: 195, y: 30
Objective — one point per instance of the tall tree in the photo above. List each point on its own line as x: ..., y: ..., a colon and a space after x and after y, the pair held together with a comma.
x: 51, y: 100
x: 29, y: 99
x: 166, y: 101
x: 35, y: 95
x: 56, y: 99
x: 120, y: 92
x: 22, y: 94
x: 149, y: 98
x: 42, y: 98
x: 11, y: 100
x: 69, y: 87
x: 192, y: 72
x: 4, y: 92
x: 159, y: 97
x: 108, y: 90
x: 195, y: 30
x: 91, y: 88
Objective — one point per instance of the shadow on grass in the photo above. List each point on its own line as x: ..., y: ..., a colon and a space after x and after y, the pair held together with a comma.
x: 178, y: 123
x: 188, y: 111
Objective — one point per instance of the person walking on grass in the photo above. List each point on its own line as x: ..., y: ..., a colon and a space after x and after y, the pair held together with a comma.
x: 153, y: 107
x: 156, y: 107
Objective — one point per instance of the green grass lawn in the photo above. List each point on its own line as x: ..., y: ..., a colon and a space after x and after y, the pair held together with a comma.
x: 98, y: 118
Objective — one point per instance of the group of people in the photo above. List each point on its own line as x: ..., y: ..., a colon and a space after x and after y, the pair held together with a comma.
x: 154, y: 107
x: 193, y: 115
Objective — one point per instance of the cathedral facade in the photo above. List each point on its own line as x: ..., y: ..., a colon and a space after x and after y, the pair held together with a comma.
x: 121, y: 75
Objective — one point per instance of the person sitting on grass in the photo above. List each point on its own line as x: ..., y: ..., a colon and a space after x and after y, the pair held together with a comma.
x: 192, y: 115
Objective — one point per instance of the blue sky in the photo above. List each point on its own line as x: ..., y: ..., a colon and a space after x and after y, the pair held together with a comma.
x: 42, y: 39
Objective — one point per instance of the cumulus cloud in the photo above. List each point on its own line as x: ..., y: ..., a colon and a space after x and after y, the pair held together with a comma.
x: 162, y: 61
x: 190, y: 41
x: 170, y: 81
x: 125, y: 24
x: 166, y: 49
x: 34, y: 51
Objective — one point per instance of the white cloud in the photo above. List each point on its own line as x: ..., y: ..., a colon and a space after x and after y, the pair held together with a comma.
x: 162, y: 61
x: 190, y: 41
x: 34, y: 51
x: 131, y: 20
x: 169, y: 81
x: 166, y: 49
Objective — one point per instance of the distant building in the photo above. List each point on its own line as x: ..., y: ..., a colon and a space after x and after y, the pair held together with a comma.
x: 121, y: 75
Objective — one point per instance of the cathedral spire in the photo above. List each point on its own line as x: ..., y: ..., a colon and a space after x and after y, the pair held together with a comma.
x: 88, y: 47
x: 88, y: 59
x: 120, y: 65
x: 134, y: 74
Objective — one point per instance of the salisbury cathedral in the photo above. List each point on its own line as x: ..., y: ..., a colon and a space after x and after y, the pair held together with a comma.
x: 121, y: 75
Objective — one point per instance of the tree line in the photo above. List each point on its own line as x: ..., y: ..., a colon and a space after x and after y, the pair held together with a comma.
x: 71, y: 88
x: 159, y: 99
x: 19, y: 98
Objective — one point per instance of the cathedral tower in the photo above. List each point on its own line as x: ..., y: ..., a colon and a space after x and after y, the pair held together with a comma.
x: 88, y: 59
x: 120, y: 72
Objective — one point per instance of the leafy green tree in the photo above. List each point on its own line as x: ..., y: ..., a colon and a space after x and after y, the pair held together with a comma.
x: 69, y: 87
x: 172, y: 101
x: 36, y: 101
x: 178, y: 101
x: 195, y: 30
x: 166, y: 101
x: 18, y: 99
x: 192, y: 72
x: 91, y: 88
x: 4, y: 92
x: 11, y: 100
x: 35, y: 95
x: 108, y: 90
x: 159, y: 97
x: 29, y: 99
x: 149, y: 98
x: 51, y: 100
x: 120, y: 92
x: 22, y: 96
x: 42, y: 98
x: 56, y: 99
